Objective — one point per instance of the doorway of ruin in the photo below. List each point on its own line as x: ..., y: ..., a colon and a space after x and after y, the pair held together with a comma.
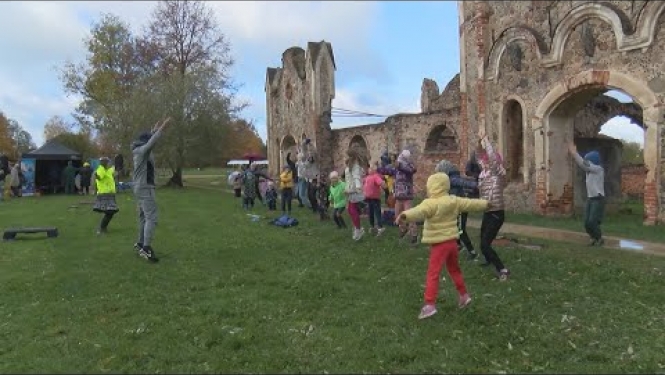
x: 288, y: 146
x: 359, y: 143
x: 513, y: 140
x: 576, y: 112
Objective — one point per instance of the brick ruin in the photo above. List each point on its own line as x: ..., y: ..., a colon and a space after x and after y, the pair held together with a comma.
x: 532, y: 73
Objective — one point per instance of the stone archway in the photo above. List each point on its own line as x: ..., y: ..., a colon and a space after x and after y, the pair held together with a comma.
x: 553, y: 128
x: 288, y: 145
x: 358, y: 141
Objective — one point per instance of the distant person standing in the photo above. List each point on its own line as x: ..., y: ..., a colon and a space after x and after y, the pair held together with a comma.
x: 595, y: 187
x: 15, y: 181
x: 144, y: 189
x: 86, y: 176
x: 69, y: 175
x: 105, y: 201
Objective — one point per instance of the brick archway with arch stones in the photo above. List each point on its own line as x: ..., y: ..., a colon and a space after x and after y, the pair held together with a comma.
x: 552, y: 127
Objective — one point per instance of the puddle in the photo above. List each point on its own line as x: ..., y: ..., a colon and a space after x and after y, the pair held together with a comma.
x: 630, y: 245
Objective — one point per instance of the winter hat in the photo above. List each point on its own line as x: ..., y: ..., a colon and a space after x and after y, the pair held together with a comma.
x: 333, y: 174
x: 593, y: 157
x: 446, y: 167
x: 405, y: 154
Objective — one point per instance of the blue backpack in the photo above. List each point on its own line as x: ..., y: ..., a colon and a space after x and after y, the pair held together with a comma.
x: 285, y: 221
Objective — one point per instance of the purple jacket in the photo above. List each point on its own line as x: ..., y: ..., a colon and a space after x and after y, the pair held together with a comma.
x: 403, y: 175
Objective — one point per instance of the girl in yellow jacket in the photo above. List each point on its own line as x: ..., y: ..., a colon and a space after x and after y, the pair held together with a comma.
x: 105, y: 200
x: 440, y: 211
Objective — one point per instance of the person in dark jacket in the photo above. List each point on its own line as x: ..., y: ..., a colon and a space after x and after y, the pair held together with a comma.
x: 461, y: 187
x: 86, y: 177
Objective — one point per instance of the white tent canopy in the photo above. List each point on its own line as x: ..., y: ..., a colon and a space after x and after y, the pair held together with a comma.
x: 244, y: 162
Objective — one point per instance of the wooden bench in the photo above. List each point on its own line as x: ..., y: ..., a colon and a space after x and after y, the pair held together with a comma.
x: 10, y: 234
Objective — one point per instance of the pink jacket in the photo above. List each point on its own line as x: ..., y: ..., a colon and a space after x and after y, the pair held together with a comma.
x: 372, y: 186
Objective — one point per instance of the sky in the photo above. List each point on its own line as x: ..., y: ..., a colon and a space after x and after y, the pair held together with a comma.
x: 383, y: 50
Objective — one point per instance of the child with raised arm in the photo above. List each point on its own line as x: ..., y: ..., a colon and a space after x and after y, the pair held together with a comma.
x: 440, y: 211
x: 595, y: 187
x: 337, y: 199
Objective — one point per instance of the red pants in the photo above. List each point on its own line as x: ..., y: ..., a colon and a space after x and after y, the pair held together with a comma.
x: 354, y: 212
x: 440, y: 253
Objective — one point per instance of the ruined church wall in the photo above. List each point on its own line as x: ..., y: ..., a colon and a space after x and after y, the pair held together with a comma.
x: 591, y: 46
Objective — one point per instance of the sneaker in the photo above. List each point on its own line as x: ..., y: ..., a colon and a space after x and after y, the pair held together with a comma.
x: 427, y: 311
x: 138, y: 246
x: 472, y: 255
x: 600, y: 242
x: 359, y: 234
x: 380, y: 231
x: 464, y: 301
x: 504, y: 274
x: 148, y: 254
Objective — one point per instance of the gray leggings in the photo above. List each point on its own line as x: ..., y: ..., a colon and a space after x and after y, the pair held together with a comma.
x: 147, y: 208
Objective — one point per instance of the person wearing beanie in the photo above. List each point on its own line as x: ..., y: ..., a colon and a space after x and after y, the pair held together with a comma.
x: 595, y: 187
x: 492, y: 181
x: 144, y: 188
x: 460, y: 187
x: 403, y: 173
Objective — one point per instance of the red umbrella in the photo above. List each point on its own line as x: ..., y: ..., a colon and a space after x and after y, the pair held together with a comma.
x: 253, y: 156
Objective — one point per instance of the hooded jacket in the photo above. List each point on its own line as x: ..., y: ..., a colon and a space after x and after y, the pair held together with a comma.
x: 492, y: 179
x: 595, y: 174
x: 440, y: 210
x: 144, y: 163
x: 459, y: 186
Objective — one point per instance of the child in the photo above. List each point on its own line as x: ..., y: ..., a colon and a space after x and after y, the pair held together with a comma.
x: 271, y: 196
x: 492, y: 181
x: 372, y: 187
x: 286, y: 185
x: 337, y: 199
x: 323, y: 202
x: 440, y: 211
x: 312, y: 194
x: 595, y: 187
x: 249, y: 188
x: 237, y: 185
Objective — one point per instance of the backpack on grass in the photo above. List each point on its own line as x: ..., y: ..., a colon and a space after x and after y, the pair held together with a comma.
x: 285, y: 221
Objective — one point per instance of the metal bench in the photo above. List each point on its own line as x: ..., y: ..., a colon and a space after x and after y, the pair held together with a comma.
x: 10, y: 234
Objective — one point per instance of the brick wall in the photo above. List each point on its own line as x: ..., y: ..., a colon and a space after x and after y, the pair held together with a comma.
x: 632, y: 180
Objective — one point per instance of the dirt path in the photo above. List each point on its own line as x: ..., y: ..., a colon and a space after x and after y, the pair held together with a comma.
x: 578, y: 237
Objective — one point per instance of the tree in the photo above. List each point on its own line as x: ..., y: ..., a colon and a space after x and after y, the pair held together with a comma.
x: 21, y: 137
x: 55, y: 126
x: 195, y: 56
x: 14, y: 140
x: 632, y: 153
x: 116, y: 64
x: 80, y: 142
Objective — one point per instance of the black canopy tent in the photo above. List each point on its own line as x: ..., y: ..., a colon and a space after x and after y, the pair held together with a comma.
x: 50, y: 160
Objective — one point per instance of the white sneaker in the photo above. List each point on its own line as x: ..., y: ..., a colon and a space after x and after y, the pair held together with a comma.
x: 359, y: 234
x: 380, y: 231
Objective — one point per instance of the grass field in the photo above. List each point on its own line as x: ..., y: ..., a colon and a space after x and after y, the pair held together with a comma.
x: 232, y: 295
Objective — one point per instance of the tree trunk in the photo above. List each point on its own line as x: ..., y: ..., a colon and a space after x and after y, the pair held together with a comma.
x: 176, y: 178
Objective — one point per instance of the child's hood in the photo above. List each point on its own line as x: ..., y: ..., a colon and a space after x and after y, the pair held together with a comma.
x: 438, y: 185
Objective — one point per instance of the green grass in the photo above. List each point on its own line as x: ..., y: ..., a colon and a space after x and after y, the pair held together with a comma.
x: 231, y: 295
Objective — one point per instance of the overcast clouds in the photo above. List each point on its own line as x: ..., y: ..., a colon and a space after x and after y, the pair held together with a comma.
x: 371, y: 77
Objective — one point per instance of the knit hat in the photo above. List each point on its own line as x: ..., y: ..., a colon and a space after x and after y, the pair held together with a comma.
x: 333, y: 174
x: 446, y: 167
x: 593, y: 157
x: 405, y: 154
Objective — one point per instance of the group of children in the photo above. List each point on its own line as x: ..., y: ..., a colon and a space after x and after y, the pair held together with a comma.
x: 443, y: 213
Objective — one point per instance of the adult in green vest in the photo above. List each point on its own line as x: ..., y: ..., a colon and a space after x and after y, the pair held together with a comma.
x: 105, y: 202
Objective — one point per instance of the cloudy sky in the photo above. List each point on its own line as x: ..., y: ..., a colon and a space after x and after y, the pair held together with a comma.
x: 383, y: 50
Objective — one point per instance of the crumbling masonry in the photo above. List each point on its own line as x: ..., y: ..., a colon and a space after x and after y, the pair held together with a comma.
x: 533, y: 74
